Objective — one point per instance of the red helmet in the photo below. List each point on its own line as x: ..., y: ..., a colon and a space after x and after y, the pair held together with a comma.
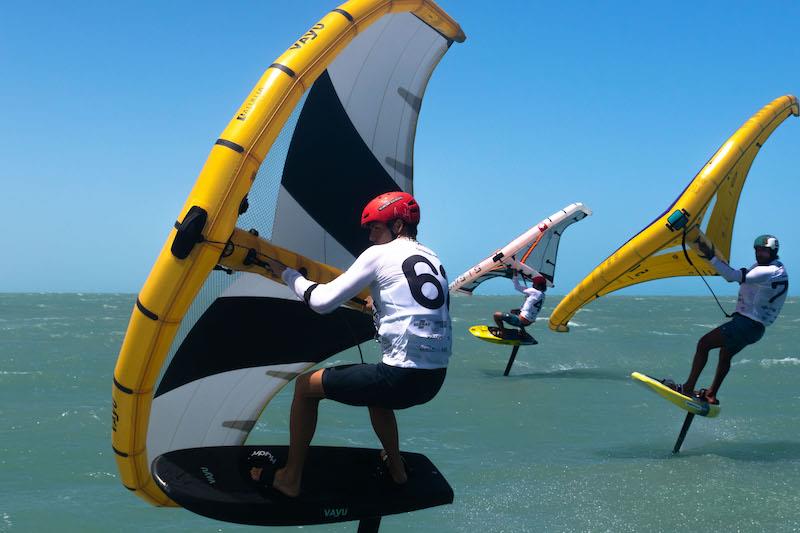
x: 539, y: 281
x: 390, y: 206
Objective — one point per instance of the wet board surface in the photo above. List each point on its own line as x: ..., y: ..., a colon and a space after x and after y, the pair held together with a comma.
x: 339, y: 484
x: 687, y: 403
x: 512, y: 338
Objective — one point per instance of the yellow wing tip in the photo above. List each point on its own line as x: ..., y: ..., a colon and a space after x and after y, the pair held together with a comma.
x: 646, y: 256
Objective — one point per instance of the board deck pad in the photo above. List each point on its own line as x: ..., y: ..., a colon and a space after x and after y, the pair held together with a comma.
x: 512, y: 338
x: 687, y: 403
x: 339, y: 484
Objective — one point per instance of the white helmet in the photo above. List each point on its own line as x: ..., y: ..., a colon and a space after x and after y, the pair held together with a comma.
x: 767, y: 241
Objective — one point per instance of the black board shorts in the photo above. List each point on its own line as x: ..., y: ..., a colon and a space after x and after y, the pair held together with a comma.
x: 515, y: 319
x: 741, y: 331
x: 381, y: 385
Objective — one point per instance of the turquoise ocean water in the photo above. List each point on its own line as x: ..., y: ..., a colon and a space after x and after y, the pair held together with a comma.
x: 568, y: 442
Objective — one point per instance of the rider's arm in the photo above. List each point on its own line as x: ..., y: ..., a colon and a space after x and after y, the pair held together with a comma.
x: 728, y: 273
x: 517, y: 285
x: 761, y: 274
x: 326, y: 297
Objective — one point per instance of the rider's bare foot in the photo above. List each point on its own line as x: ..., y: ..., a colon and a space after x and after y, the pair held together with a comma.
x: 283, y: 484
x: 708, y: 396
x: 396, y: 469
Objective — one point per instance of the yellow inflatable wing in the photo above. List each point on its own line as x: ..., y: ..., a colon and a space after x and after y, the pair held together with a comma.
x: 213, y: 336
x: 657, y: 251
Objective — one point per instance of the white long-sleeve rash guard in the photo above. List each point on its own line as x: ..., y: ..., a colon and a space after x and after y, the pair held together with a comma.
x: 533, y: 301
x: 409, y: 291
x: 762, y: 289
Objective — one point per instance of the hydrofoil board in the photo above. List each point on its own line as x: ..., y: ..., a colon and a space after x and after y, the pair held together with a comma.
x: 687, y: 403
x: 339, y: 484
x: 511, y: 338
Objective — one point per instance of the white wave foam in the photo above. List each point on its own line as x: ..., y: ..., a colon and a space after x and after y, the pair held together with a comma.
x: 565, y: 367
x: 783, y: 362
x: 666, y: 334
x: 574, y: 324
x: 11, y: 373
x: 98, y: 475
x: 599, y: 330
x: 7, y: 520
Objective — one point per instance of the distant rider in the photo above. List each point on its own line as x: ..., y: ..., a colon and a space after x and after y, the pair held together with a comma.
x: 525, y: 316
x: 762, y: 291
x: 408, y: 287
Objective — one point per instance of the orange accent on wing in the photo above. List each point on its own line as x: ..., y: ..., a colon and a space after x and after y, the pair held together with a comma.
x: 528, y: 253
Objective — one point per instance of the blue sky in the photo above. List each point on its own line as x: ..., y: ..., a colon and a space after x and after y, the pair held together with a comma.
x: 108, y: 111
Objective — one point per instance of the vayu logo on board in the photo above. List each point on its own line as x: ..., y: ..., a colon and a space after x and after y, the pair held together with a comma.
x: 335, y: 512
x: 209, y: 476
x: 263, y: 454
